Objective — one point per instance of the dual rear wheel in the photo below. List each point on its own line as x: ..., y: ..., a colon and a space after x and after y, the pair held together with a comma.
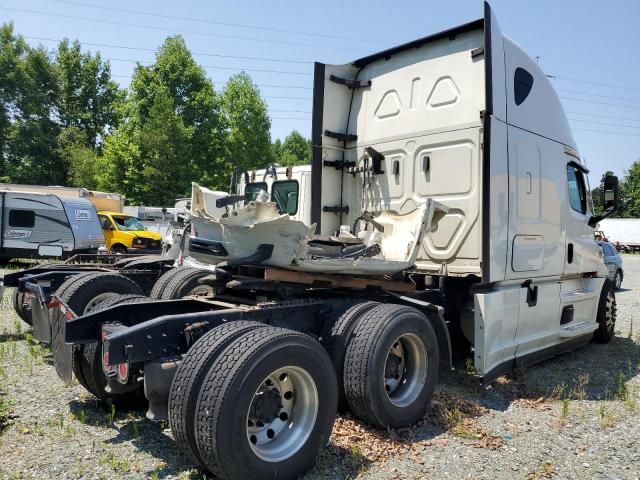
x: 86, y: 293
x: 389, y: 364
x: 253, y: 401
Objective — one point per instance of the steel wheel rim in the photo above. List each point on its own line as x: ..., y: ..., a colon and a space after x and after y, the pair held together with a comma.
x: 201, y: 290
x: 618, y: 280
x: 97, y: 300
x: 282, y: 414
x: 406, y: 369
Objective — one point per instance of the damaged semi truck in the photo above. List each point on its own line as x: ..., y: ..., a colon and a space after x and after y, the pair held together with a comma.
x: 188, y: 256
x: 449, y: 217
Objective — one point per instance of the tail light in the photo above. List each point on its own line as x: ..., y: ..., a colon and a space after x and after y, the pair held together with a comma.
x: 121, y: 370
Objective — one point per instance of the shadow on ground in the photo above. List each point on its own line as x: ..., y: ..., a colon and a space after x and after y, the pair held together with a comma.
x: 594, y: 372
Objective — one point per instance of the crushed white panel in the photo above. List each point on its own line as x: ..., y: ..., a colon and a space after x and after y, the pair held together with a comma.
x: 244, y: 229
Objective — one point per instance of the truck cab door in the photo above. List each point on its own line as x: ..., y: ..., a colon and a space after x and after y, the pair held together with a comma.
x: 581, y: 251
x: 580, y: 286
x: 107, y: 230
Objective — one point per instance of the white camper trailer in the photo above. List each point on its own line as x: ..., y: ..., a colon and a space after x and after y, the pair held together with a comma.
x: 41, y: 225
x: 113, y: 202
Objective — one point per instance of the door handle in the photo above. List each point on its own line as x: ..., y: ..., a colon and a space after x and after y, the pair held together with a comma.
x: 426, y: 164
x: 570, y: 253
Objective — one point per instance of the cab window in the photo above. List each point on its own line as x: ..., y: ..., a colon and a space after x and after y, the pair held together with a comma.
x: 126, y: 223
x: 577, y: 190
x: 285, y: 195
x: 522, y: 84
x: 251, y: 190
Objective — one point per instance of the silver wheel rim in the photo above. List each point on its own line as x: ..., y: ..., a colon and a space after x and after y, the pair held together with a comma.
x: 201, y: 290
x: 618, y: 280
x: 98, y: 299
x: 405, y: 372
x: 282, y: 414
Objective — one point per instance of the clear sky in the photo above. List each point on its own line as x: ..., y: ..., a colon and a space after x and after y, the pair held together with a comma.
x: 591, y: 46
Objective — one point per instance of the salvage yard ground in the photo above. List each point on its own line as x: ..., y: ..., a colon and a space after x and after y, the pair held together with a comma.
x: 575, y: 416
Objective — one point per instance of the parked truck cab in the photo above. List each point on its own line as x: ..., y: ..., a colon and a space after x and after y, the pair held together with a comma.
x: 125, y: 234
x: 467, y: 118
x: 449, y: 221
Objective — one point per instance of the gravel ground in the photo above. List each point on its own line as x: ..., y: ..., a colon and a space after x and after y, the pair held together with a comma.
x: 574, y: 416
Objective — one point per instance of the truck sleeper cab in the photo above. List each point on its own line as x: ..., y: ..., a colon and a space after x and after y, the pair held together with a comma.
x: 453, y: 155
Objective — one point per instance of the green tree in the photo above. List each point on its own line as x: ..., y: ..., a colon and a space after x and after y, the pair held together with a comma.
x: 276, y: 150
x: 34, y: 157
x: 195, y: 102
x: 249, y: 139
x: 296, y: 150
x: 13, y: 51
x: 88, y: 98
x: 117, y: 168
x: 630, y: 192
x: 162, y: 140
x: 171, y: 118
x: 81, y: 159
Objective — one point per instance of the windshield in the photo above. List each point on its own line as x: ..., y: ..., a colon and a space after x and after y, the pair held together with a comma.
x: 128, y: 223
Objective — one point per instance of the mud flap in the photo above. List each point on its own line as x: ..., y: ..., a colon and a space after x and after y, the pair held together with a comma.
x: 62, y: 353
x: 40, y: 318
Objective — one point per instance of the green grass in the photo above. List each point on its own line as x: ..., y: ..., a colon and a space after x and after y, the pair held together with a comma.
x: 117, y: 465
x: 605, y: 416
x: 5, y: 412
x: 564, y: 414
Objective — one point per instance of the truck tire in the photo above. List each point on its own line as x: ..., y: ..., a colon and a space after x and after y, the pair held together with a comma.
x: 158, y: 287
x: 335, y: 338
x: 118, y: 249
x: 89, y: 290
x: 78, y: 358
x: 607, y: 312
x: 186, y: 282
x: 23, y: 311
x: 82, y: 293
x: 187, y: 380
x: 266, y: 406
x: 391, y: 366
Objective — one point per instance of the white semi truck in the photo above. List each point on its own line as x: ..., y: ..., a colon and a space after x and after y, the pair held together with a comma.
x: 448, y: 218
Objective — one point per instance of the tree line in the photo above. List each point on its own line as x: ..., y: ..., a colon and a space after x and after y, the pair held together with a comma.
x: 629, y: 193
x: 65, y: 121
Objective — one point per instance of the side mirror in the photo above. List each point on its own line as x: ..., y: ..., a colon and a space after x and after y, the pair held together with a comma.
x: 610, y: 192
x: 610, y: 199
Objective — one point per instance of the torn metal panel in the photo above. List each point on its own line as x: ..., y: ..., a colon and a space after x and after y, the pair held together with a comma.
x: 203, y: 202
x: 389, y: 243
x: 399, y: 244
x: 242, y: 230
